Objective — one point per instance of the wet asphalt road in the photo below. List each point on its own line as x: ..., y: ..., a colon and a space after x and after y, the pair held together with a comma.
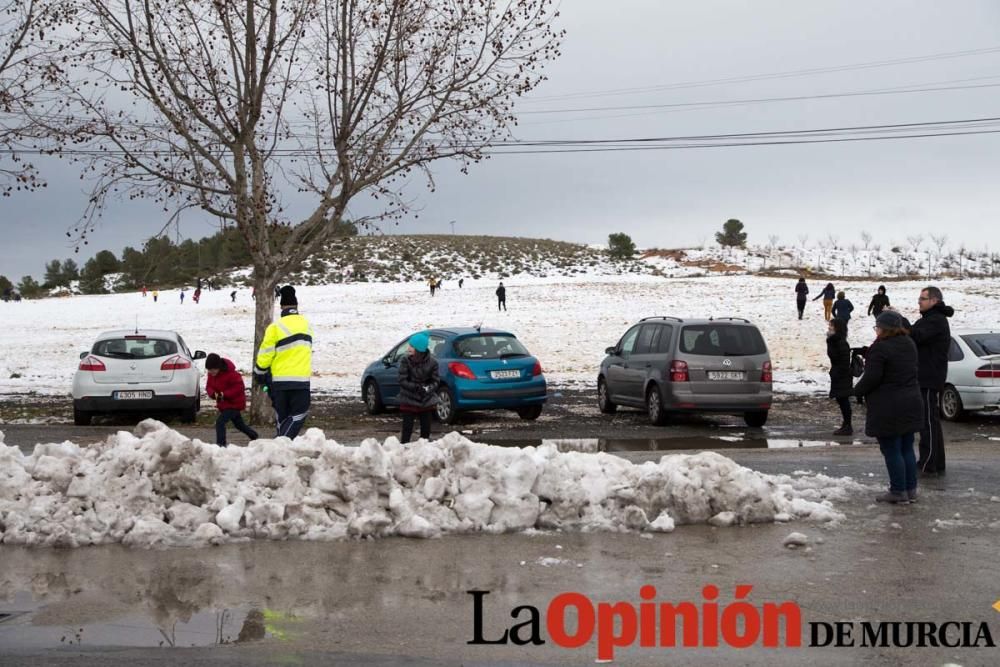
x: 400, y: 601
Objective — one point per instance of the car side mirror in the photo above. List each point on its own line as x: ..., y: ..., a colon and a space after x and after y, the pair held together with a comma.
x: 611, y: 350
x: 386, y: 361
x: 198, y: 354
x: 83, y: 354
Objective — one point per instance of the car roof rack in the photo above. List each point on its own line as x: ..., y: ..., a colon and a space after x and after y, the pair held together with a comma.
x: 661, y: 317
x: 733, y: 319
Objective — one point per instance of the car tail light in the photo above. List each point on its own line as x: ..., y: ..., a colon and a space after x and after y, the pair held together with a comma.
x: 458, y: 369
x: 765, y: 372
x: 537, y: 369
x: 91, y: 363
x: 175, y: 363
x: 679, y: 371
x: 988, y: 371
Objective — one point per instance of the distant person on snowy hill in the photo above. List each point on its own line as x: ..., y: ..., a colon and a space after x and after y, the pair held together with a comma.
x: 827, y: 295
x: 801, y: 292
x: 501, y: 297
x: 880, y: 301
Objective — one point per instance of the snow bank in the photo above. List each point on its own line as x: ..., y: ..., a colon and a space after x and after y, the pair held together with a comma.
x: 158, y: 488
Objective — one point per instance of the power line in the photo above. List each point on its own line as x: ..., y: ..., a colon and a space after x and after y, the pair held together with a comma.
x: 774, y: 75
x: 759, y: 100
x: 927, y: 129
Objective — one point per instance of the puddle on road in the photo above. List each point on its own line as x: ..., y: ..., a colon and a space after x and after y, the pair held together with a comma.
x: 26, y: 623
x: 592, y: 445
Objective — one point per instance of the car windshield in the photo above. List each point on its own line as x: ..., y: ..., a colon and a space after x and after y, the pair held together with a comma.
x: 489, y: 346
x: 984, y: 344
x: 722, y: 340
x: 134, y: 348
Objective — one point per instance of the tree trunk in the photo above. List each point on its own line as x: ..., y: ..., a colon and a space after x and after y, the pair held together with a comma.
x: 260, y: 403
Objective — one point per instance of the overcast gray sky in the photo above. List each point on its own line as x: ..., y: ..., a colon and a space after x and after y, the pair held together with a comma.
x: 680, y: 197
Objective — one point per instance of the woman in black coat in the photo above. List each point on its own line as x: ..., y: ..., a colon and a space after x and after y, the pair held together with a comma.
x: 419, y: 378
x: 895, y: 407
x: 841, y: 381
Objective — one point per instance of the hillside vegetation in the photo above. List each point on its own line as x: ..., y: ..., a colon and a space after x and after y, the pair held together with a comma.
x: 410, y: 258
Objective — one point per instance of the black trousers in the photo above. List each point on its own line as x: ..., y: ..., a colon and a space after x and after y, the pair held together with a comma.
x: 234, y: 416
x: 291, y: 407
x: 845, y: 409
x: 425, y: 425
x: 931, y: 436
x: 801, y: 305
x: 501, y: 303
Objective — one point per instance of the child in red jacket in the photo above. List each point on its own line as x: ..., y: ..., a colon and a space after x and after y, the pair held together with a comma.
x: 226, y: 386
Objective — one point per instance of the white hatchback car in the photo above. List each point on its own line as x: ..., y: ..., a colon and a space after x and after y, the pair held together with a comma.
x: 137, y: 371
x: 973, y: 373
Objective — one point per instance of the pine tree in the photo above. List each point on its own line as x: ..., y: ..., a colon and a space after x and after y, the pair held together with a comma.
x: 732, y: 234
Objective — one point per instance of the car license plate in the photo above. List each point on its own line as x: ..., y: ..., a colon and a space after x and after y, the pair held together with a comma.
x: 732, y: 376
x: 505, y: 375
x: 132, y: 395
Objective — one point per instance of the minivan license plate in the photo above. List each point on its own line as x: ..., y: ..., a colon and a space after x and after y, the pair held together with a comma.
x: 133, y: 395
x: 725, y: 375
x: 505, y: 375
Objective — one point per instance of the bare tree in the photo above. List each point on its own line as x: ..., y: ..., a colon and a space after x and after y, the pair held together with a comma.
x: 939, y: 241
x: 772, y: 244
x: 25, y: 71
x: 915, y: 242
x: 281, y: 117
x: 866, y: 239
x: 832, y: 240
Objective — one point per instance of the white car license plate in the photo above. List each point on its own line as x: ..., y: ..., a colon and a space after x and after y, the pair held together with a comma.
x: 732, y: 376
x: 505, y: 375
x: 132, y: 395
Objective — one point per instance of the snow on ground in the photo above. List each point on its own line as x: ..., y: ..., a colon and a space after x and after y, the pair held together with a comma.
x: 566, y: 322
x: 158, y: 488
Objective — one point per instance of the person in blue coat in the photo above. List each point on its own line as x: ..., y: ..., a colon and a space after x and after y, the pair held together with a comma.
x: 842, y: 308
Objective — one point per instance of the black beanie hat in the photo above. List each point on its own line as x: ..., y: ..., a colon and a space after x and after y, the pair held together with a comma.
x: 288, y: 296
x: 213, y: 361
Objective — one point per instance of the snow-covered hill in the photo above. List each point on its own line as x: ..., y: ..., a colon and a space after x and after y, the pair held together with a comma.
x: 418, y: 258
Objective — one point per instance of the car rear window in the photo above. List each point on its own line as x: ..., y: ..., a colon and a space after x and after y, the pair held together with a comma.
x: 983, y: 344
x: 128, y: 348
x: 489, y: 346
x: 722, y: 340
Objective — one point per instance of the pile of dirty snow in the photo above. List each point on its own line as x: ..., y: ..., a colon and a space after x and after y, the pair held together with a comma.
x: 158, y: 488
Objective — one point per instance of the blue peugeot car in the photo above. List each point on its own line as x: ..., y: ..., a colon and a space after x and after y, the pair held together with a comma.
x: 481, y: 369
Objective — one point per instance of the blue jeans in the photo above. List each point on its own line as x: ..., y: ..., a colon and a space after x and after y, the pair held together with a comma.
x: 900, y: 462
x: 237, y: 419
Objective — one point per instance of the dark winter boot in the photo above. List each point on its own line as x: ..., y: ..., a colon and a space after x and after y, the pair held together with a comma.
x: 912, y: 495
x: 846, y: 429
x: 893, y: 498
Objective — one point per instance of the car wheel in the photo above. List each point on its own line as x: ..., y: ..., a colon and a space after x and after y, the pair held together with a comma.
x: 530, y: 413
x: 654, y: 406
x: 951, y: 405
x: 190, y: 415
x: 373, y: 398
x: 445, y: 408
x: 81, y: 417
x: 604, y: 403
x: 755, y: 419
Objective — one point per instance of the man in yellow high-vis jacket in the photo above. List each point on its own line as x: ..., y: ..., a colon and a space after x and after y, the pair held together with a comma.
x: 284, y: 364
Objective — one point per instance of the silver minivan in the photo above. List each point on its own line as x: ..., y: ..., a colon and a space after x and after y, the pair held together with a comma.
x: 668, y: 364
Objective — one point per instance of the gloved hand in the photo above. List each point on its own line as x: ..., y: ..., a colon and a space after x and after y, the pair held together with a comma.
x: 428, y: 389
